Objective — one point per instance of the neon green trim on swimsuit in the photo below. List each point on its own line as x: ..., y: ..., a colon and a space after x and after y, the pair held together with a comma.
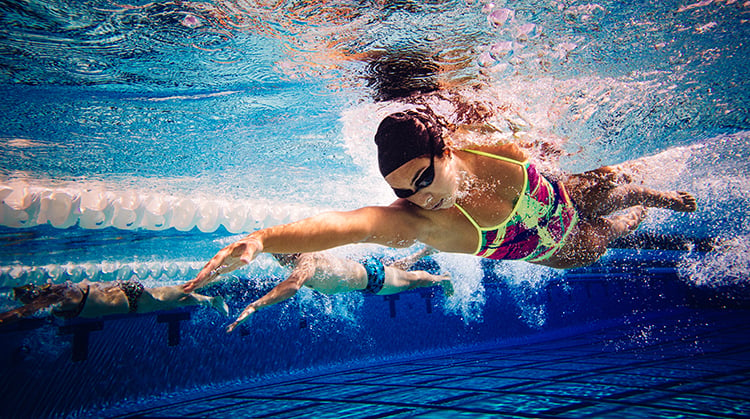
x: 496, y: 157
x: 521, y: 196
x: 547, y: 206
x: 480, y: 238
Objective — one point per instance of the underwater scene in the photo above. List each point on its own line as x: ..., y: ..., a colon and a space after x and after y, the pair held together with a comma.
x: 140, y: 138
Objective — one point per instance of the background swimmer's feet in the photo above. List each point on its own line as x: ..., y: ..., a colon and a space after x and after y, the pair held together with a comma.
x: 220, y: 305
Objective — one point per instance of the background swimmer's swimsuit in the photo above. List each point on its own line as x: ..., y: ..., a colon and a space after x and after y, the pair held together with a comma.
x: 375, y: 275
x: 542, y: 218
x: 133, y: 290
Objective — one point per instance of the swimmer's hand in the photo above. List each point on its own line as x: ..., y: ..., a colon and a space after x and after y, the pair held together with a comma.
x: 249, y: 310
x: 447, y: 283
x: 228, y: 259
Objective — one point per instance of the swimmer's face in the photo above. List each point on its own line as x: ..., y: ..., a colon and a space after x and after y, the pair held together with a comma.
x: 425, y: 181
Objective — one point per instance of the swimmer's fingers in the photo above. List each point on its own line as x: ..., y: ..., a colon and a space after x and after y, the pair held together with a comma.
x: 226, y: 260
x: 447, y: 285
x: 249, y: 310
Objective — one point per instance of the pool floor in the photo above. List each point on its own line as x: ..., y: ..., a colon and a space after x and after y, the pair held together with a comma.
x: 684, y: 364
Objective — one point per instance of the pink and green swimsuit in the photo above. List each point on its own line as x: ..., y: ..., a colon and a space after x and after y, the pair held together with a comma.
x: 538, y: 225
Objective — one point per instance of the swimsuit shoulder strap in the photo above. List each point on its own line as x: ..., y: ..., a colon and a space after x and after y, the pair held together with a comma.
x: 469, y: 217
x: 495, y: 156
x: 474, y: 223
x: 517, y: 204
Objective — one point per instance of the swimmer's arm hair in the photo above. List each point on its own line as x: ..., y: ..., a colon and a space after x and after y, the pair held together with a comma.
x: 281, y: 292
x: 394, y: 226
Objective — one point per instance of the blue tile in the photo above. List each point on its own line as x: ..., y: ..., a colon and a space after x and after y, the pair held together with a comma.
x: 579, y: 390
x: 529, y: 373
x: 337, y: 391
x: 461, y: 370
x: 244, y: 409
x: 479, y: 383
x: 707, y: 404
x: 401, y: 379
x: 411, y: 395
x: 610, y: 411
x: 626, y: 380
x: 519, y: 403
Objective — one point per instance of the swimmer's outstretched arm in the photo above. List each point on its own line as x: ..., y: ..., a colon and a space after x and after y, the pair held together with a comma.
x: 398, y: 225
x: 284, y: 291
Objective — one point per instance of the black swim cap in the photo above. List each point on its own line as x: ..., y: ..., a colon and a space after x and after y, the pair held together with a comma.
x: 404, y: 136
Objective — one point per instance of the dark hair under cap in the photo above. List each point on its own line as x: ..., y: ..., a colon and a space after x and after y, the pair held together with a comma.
x: 404, y: 136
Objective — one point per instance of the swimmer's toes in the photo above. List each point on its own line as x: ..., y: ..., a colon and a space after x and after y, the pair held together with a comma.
x: 685, y: 203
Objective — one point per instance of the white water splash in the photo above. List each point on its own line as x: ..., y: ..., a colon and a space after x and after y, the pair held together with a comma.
x: 340, y: 308
x: 468, y: 297
x: 528, y: 283
x: 728, y: 263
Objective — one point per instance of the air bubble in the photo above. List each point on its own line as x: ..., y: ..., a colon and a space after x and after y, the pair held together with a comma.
x: 501, y: 50
x: 499, y: 17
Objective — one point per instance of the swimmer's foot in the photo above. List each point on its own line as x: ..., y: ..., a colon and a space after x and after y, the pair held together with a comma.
x: 672, y: 200
x: 243, y: 317
x: 680, y: 201
x: 628, y: 221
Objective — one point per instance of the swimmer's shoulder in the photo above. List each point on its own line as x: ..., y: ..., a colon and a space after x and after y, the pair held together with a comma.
x: 411, y: 216
x: 505, y: 149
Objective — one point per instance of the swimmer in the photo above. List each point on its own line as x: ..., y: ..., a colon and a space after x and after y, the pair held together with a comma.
x: 332, y: 275
x: 95, y: 299
x: 481, y: 199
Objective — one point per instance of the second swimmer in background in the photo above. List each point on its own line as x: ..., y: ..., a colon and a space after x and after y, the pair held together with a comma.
x: 328, y: 274
x: 96, y: 299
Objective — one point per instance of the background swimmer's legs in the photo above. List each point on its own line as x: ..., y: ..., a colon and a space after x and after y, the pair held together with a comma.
x: 168, y: 298
x: 397, y: 280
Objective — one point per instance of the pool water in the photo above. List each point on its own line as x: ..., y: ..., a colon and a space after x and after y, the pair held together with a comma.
x: 138, y: 138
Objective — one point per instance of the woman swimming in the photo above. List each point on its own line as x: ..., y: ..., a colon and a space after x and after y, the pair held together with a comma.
x: 95, y: 299
x: 485, y: 200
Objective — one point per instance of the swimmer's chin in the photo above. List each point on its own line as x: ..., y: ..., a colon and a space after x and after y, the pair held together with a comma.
x: 444, y: 203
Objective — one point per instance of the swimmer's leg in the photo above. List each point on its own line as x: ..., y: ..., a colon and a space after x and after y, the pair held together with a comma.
x: 593, y: 236
x: 626, y: 196
x: 629, y: 195
x: 608, y: 189
x: 217, y: 303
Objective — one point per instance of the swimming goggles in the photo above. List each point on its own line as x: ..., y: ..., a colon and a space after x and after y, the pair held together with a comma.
x: 424, y: 180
